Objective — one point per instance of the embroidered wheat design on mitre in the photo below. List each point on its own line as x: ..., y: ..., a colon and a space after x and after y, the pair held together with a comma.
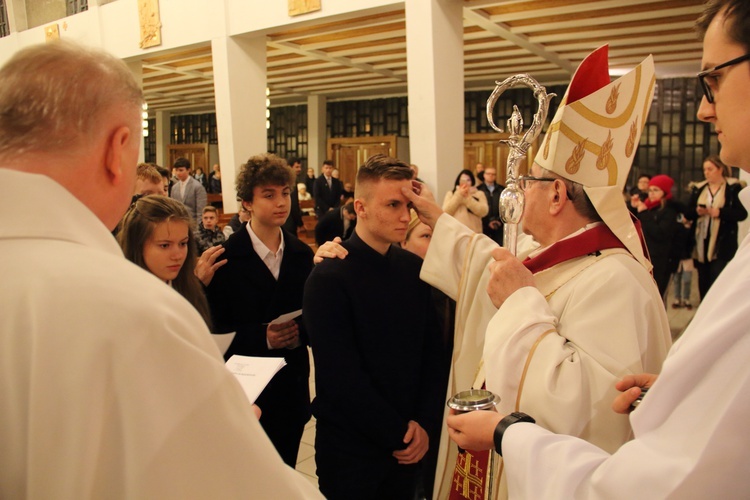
x: 612, y: 101
x: 603, y: 159
x: 545, y: 153
x: 576, y: 157
x: 630, y: 144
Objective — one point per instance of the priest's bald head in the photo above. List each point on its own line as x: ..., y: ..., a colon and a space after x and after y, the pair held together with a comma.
x: 73, y: 113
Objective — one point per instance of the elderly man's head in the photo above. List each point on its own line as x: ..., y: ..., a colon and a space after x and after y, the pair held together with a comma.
x: 73, y: 113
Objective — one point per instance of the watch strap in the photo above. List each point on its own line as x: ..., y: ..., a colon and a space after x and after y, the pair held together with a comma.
x: 507, y: 421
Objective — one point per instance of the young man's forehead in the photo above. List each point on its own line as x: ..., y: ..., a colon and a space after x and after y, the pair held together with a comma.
x: 271, y: 187
x: 391, y: 187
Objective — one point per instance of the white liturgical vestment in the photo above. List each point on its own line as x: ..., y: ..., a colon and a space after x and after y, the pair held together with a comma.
x: 553, y: 351
x: 110, y: 384
x: 690, y: 430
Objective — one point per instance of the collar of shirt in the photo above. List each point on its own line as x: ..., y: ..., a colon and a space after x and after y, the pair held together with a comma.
x: 270, y: 259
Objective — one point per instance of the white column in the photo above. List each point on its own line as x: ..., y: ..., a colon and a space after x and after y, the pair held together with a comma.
x: 316, y: 132
x: 240, y: 88
x: 434, y: 53
x: 17, y: 20
x: 137, y: 69
x: 163, y: 138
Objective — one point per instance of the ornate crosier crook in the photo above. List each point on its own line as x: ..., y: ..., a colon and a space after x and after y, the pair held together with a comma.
x: 512, y: 199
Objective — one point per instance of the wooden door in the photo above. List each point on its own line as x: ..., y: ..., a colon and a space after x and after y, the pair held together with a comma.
x: 348, y: 153
x: 196, y: 154
x: 489, y: 151
x: 347, y: 161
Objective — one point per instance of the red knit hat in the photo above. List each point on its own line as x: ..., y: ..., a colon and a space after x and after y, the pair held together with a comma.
x: 663, y: 182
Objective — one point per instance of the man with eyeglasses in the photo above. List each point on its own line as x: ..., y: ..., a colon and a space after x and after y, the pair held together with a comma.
x: 582, y: 310
x: 690, y: 430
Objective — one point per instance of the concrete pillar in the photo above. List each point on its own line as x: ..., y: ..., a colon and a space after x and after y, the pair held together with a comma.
x: 17, y: 19
x: 316, y: 132
x: 163, y: 138
x: 240, y: 88
x: 434, y: 54
x: 137, y: 69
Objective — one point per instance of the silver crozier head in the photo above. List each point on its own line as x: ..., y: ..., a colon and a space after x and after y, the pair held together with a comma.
x: 512, y: 198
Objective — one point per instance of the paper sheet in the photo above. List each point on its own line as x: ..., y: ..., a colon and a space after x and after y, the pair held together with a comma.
x: 287, y: 317
x: 223, y: 340
x: 254, y: 373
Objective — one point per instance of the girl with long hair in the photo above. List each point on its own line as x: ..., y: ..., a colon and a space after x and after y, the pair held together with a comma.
x: 157, y: 235
x: 716, y: 209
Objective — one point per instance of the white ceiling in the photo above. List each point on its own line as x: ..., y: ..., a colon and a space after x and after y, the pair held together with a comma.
x: 365, y: 56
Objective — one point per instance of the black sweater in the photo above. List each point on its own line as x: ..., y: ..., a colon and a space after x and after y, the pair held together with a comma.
x: 376, y: 346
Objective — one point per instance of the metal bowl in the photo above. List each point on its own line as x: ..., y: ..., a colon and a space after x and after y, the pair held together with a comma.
x: 473, y: 399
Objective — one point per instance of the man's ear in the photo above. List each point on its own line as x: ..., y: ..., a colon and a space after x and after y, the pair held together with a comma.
x: 359, y: 208
x: 558, y: 197
x: 116, y: 146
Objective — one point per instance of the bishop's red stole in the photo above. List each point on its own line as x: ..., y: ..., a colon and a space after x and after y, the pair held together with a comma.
x: 591, y: 241
x: 471, y: 473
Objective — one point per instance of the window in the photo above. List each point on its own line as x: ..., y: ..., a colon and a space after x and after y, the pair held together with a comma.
x: 76, y: 6
x: 4, y: 28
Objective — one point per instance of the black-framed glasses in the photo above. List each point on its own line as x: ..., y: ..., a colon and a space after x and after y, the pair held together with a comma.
x: 523, y: 180
x: 703, y: 75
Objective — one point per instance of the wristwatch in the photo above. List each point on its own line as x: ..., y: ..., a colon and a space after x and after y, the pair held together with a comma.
x: 506, y: 422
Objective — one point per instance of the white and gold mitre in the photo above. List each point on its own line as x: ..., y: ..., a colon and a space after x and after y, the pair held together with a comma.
x: 594, y: 135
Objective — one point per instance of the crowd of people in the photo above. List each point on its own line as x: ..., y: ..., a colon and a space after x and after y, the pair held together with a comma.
x: 700, y: 234
x: 406, y: 303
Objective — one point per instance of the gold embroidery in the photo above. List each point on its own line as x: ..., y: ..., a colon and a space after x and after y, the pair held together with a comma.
x: 630, y: 145
x: 576, y: 157
x: 592, y: 148
x: 613, y: 122
x: 469, y: 477
x: 546, y: 144
x: 612, y: 101
x: 603, y: 159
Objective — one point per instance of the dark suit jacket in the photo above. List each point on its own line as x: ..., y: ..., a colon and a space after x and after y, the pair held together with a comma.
x: 243, y: 295
x: 295, y: 214
x: 326, y: 198
x: 331, y: 225
x: 309, y: 184
x: 376, y: 348
x: 493, y: 201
